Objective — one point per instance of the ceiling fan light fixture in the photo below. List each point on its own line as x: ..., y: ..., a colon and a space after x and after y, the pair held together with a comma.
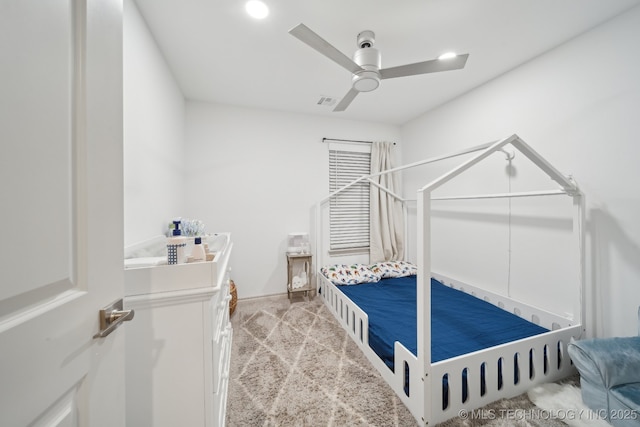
x: 366, y: 81
x: 257, y: 9
x: 369, y: 59
x: 447, y: 55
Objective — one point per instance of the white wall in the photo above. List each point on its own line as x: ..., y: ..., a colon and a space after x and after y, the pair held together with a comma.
x: 578, y: 106
x: 257, y: 174
x: 153, y: 135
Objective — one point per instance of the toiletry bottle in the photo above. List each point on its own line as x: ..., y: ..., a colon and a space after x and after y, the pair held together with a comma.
x: 176, y: 245
x: 198, y: 253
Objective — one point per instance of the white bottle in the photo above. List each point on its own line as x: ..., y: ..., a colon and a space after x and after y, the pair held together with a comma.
x: 198, y: 252
x: 176, y: 245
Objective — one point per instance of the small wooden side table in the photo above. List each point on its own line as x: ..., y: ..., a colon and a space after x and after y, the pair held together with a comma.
x: 301, y: 282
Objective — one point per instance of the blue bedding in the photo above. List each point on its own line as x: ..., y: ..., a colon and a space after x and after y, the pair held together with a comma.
x: 460, y: 323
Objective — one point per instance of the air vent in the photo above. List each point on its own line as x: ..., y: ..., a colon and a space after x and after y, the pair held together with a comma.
x: 327, y: 100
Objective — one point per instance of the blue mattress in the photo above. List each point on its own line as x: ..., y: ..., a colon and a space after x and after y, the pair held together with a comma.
x: 460, y: 323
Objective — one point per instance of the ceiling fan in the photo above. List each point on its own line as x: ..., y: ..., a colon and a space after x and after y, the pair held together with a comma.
x: 365, y: 66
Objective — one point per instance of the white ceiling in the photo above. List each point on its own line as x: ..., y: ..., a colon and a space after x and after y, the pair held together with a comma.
x: 219, y: 54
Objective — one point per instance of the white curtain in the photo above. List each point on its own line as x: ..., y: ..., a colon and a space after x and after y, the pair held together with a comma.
x: 386, y: 216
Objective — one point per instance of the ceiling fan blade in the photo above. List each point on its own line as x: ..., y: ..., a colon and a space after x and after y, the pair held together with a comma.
x: 346, y: 100
x: 432, y: 66
x: 305, y: 35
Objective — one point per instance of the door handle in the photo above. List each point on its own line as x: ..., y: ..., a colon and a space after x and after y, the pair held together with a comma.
x: 111, y: 317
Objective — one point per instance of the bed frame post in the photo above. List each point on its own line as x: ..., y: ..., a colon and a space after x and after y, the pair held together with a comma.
x: 578, y: 233
x: 423, y: 301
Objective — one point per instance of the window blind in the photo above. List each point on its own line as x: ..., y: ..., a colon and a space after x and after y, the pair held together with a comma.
x: 349, y: 210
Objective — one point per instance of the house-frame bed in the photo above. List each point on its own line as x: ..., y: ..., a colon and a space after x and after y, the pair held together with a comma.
x: 435, y: 392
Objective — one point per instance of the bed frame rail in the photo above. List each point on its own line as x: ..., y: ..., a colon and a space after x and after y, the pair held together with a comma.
x: 356, y: 322
x: 477, y: 379
x: 532, y: 314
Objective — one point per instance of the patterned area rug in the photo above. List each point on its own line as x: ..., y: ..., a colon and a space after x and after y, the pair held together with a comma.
x: 292, y: 364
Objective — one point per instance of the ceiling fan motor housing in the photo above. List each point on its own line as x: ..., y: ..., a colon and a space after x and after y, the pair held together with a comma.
x: 366, y: 38
x: 369, y: 59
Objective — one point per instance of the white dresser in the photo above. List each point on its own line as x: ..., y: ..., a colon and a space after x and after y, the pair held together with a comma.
x: 178, y: 346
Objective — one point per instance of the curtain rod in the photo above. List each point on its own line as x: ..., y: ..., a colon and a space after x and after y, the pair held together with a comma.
x: 348, y: 140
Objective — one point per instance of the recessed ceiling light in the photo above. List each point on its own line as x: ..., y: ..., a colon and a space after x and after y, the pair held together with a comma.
x: 257, y: 9
x: 447, y: 55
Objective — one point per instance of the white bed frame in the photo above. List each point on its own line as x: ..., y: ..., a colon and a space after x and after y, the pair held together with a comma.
x: 541, y: 358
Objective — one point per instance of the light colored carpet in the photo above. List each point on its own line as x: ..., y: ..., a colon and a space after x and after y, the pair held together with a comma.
x: 292, y: 364
x: 565, y: 400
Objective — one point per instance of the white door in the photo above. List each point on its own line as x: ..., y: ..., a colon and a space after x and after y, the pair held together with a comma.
x: 61, y: 212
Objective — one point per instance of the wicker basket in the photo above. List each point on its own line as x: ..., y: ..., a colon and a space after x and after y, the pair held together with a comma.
x: 234, y: 297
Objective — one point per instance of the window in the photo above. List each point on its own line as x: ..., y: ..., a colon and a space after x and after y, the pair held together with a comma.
x: 349, y: 210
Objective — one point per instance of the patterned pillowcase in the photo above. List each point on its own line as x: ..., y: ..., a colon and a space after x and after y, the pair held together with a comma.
x: 353, y: 274
x: 388, y: 269
x: 407, y: 269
